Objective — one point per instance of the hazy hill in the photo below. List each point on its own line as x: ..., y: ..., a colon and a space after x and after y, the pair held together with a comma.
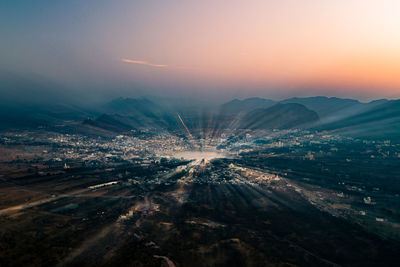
x: 246, y: 105
x: 141, y: 112
x: 324, y: 106
x: 109, y: 122
x: 32, y: 116
x: 382, y: 119
x: 132, y: 107
x: 331, y: 109
x: 279, y: 116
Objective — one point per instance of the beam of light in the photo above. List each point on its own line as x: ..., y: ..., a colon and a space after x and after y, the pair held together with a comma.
x: 184, y: 125
x: 142, y: 62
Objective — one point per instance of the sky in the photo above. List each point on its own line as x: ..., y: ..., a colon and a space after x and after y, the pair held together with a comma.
x: 208, y: 49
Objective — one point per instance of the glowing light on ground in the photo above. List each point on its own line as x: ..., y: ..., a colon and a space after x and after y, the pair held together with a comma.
x: 198, y: 155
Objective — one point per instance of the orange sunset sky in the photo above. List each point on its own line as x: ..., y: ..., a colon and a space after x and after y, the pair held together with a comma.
x: 343, y: 48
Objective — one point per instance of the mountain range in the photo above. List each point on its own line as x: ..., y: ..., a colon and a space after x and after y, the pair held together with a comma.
x: 346, y: 116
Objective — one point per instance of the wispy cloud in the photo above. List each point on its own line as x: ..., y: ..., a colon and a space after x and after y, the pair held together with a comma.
x: 142, y: 62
